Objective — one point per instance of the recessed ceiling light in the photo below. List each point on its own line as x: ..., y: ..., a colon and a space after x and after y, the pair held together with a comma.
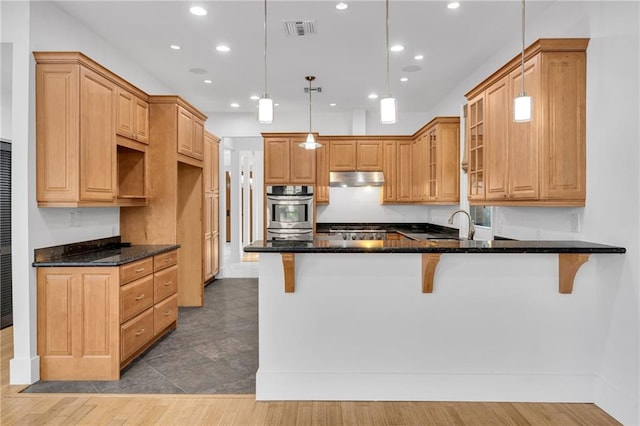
x: 418, y: 57
x: 453, y: 5
x: 373, y: 96
x: 397, y: 48
x: 175, y: 47
x: 276, y: 104
x: 332, y: 105
x: 254, y: 97
x: 234, y: 105
x: 341, y: 6
x: 223, y: 48
x: 404, y: 79
x: 198, y: 11
x: 208, y: 81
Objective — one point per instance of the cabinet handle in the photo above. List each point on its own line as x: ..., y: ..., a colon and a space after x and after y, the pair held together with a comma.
x: 167, y: 313
x: 168, y: 283
x: 139, y: 270
x: 168, y: 259
x: 139, y: 332
x: 140, y: 297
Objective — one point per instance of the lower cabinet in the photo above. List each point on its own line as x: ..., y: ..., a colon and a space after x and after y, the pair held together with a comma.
x: 92, y: 321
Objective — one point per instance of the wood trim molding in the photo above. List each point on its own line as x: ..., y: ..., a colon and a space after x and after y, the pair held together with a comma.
x: 289, y: 264
x: 429, y: 263
x: 568, y: 265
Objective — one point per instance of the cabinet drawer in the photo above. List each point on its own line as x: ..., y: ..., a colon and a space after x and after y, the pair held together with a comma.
x: 165, y: 313
x: 135, y: 297
x: 164, y: 260
x: 135, y: 333
x: 134, y: 270
x: 165, y: 283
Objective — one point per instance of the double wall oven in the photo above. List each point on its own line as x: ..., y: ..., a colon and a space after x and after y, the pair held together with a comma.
x: 290, y: 212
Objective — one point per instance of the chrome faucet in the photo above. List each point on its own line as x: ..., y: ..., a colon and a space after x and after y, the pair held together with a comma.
x: 472, y: 230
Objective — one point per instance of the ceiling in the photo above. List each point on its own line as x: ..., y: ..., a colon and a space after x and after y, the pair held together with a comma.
x: 346, y: 53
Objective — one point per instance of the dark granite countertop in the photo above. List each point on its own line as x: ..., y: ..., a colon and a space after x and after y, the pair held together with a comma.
x: 430, y: 246
x: 419, y: 231
x: 102, y: 252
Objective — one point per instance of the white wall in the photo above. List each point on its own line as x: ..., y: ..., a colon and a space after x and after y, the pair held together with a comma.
x: 6, y: 64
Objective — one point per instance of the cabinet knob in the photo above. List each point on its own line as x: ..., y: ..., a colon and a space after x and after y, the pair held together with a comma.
x: 140, y: 297
x: 167, y: 313
x: 168, y: 283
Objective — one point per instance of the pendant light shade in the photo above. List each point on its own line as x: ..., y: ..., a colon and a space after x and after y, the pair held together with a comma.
x: 310, y: 143
x: 265, y: 104
x: 265, y: 110
x: 388, y: 105
x: 522, y: 104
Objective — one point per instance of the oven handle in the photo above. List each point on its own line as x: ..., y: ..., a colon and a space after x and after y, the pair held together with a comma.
x: 290, y: 231
x: 296, y: 199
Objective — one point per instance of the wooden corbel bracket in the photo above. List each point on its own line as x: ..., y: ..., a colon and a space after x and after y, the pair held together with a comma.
x: 429, y: 263
x: 568, y: 265
x: 289, y: 266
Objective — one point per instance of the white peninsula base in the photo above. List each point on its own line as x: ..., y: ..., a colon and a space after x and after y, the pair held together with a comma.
x: 358, y: 327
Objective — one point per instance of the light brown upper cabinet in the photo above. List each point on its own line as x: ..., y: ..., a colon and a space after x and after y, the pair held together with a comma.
x: 79, y: 162
x: 348, y: 154
x: 441, y: 152
x: 389, y: 192
x: 190, y: 133
x: 285, y: 162
x: 321, y: 190
x: 132, y: 116
x: 537, y: 163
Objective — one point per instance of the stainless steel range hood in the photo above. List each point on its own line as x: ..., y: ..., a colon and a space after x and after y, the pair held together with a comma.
x: 346, y: 179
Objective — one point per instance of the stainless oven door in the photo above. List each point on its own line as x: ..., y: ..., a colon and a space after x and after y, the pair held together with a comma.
x: 290, y: 234
x: 289, y: 212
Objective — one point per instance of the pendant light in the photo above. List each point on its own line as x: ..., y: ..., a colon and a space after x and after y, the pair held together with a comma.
x: 388, y: 105
x: 265, y: 103
x: 522, y: 104
x: 310, y: 143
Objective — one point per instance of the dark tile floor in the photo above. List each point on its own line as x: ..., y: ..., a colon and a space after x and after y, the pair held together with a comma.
x: 214, y: 350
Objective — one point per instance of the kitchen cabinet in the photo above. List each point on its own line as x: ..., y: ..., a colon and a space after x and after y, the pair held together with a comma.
x: 321, y: 191
x: 363, y: 154
x: 541, y: 162
x: 132, y: 116
x: 93, y: 321
x: 442, y: 154
x: 211, y: 171
x: 78, y: 159
x: 389, y: 192
x: 190, y: 140
x: 176, y: 214
x: 418, y: 168
x: 404, y: 171
x: 285, y: 162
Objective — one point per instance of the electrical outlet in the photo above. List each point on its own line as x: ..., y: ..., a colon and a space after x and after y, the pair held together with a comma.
x: 75, y: 218
x: 574, y: 222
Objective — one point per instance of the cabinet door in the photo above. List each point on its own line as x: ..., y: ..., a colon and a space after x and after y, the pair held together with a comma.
x: 476, y: 149
x: 369, y: 155
x: 125, y: 115
x: 97, y: 137
x: 432, y: 150
x: 185, y: 131
x: 321, y: 191
x: 419, y: 171
x: 276, y: 161
x: 563, y: 144
x: 57, y: 132
x: 404, y: 174
x: 78, y: 323
x: 198, y: 138
x: 141, y: 114
x: 448, y: 175
x: 207, y: 167
x: 215, y: 165
x: 498, y: 121
x: 302, y: 163
x: 208, y: 231
x: 524, y: 176
x: 342, y: 156
x: 215, y: 253
x: 389, y: 190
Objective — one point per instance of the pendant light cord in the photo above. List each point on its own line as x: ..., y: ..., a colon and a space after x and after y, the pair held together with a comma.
x: 310, y: 79
x: 522, y: 58
x: 387, y: 36
x: 266, y: 92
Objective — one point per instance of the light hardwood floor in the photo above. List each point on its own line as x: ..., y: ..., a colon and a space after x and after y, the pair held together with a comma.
x: 243, y: 410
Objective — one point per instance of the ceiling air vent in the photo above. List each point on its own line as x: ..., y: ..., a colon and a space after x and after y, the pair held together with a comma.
x: 299, y: 28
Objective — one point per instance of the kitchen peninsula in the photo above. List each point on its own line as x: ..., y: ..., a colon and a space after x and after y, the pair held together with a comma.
x: 360, y: 324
